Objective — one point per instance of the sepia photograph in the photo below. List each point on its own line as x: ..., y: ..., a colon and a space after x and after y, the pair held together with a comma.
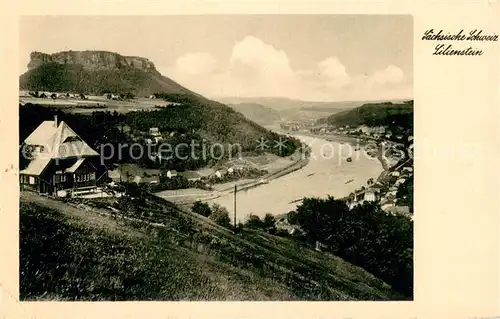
x: 216, y: 158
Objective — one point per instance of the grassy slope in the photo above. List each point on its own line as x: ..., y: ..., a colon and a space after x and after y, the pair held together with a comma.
x: 67, y: 254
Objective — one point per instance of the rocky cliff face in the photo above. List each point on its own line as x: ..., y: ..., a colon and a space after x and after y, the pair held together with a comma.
x: 92, y: 60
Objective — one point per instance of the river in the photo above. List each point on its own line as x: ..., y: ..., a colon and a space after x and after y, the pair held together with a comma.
x: 326, y: 174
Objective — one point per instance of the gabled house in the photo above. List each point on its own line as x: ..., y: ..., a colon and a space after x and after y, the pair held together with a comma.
x: 220, y: 173
x: 387, y: 206
x: 59, y: 159
x: 399, y: 182
x: 191, y: 176
x: 407, y: 169
x: 154, y: 132
x: 171, y: 173
x: 370, y: 196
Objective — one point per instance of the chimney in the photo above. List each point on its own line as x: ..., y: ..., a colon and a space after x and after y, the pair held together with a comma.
x: 55, y: 121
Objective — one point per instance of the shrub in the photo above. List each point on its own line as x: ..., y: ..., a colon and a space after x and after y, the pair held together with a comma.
x: 220, y: 215
x: 201, y: 208
x: 254, y: 221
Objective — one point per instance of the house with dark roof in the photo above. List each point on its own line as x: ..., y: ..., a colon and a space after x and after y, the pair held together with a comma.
x: 60, y: 160
x: 191, y: 176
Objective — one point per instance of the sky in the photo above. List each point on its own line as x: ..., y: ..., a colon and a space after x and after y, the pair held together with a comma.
x: 305, y: 57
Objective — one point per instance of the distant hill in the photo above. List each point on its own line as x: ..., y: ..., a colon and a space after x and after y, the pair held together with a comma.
x: 280, y: 103
x: 375, y: 114
x: 260, y: 114
x: 276, y: 103
x: 95, y: 72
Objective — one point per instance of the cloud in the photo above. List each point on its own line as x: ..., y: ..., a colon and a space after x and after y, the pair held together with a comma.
x: 390, y: 75
x: 192, y: 64
x: 334, y: 71
x: 259, y: 69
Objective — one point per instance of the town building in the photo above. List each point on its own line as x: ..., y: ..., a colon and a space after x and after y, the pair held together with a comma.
x: 220, y: 173
x: 60, y: 160
x: 190, y: 176
x: 154, y: 132
x: 370, y: 196
x: 399, y: 182
x: 399, y: 210
x: 171, y: 173
x: 407, y: 169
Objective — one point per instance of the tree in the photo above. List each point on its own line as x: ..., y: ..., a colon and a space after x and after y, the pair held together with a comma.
x: 201, y: 208
x: 292, y: 217
x: 220, y: 215
x: 269, y: 221
x: 365, y: 236
x: 254, y: 221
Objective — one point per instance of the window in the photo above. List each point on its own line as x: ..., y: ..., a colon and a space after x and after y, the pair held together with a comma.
x: 31, y: 180
x: 92, y: 176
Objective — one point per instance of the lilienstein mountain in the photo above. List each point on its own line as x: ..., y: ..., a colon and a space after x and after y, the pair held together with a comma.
x: 99, y: 72
x: 96, y: 72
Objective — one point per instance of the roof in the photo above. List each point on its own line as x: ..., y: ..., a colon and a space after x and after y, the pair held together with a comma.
x: 75, y: 166
x: 36, y: 166
x: 190, y: 174
x: 43, y: 134
x: 205, y: 172
x: 60, y: 141
x: 114, y: 174
x: 399, y: 209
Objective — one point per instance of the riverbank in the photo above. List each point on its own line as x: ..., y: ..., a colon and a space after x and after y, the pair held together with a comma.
x: 327, y: 173
x: 357, y: 142
x: 190, y: 195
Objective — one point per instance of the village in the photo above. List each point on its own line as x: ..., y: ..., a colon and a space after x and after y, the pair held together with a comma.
x: 62, y: 164
x: 78, y: 172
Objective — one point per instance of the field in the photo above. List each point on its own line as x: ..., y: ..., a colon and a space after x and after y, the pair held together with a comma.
x: 93, y: 103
